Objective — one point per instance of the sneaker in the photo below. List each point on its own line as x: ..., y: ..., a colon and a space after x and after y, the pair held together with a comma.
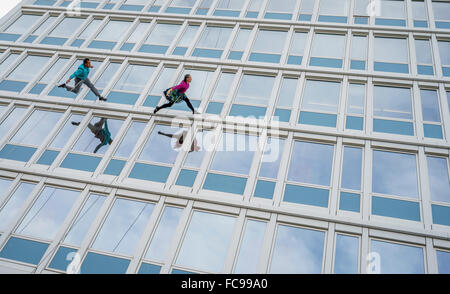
x: 75, y: 123
x: 102, y: 98
x: 156, y: 110
x: 62, y: 86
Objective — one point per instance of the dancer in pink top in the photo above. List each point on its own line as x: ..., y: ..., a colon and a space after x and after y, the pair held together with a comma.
x: 177, y: 94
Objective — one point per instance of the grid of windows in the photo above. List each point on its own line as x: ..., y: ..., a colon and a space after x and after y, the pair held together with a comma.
x: 363, y: 105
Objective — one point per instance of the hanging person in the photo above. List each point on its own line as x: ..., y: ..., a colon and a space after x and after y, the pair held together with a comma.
x: 177, y: 94
x: 81, y: 77
x: 100, y: 132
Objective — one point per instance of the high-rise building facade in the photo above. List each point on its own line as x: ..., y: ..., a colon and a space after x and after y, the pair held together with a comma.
x: 322, y: 145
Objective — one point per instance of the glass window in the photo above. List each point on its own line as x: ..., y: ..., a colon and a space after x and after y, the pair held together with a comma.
x: 133, y: 5
x: 286, y: 98
x: 41, y: 29
x: 230, y: 8
x: 359, y: 52
x: 162, y: 83
x: 6, y: 63
x: 444, y: 50
x: 54, y: 70
x: 297, y: 251
x: 164, y: 234
x: 430, y: 106
x: 11, y: 206
x: 270, y: 162
x: 122, y: 229
x: 10, y: 121
x: 398, y: 258
x: 297, y: 48
x: 204, y: 7
x: 180, y: 6
x: 306, y: 10
x: 391, y: 55
x: 443, y: 260
x: 84, y: 220
x: 386, y: 106
x: 240, y: 43
x: 254, y: 8
x: 48, y: 213
x: 235, y: 153
x: 212, y: 42
x: 400, y: 108
x: 424, y: 59
x: 311, y: 163
x: 441, y: 14
x: 206, y: 243
x: 134, y: 78
x: 19, y: 27
x: 255, y: 89
x: 419, y: 13
x: 351, y: 168
x: 333, y: 10
x: 4, y: 186
x: 36, y: 128
x: 404, y: 173
x: 139, y: 31
x: 250, y: 250
x: 438, y: 178
x: 186, y: 40
x: 111, y: 33
x: 392, y: 13
x: 268, y: 46
x: 158, y: 147
x: 61, y: 139
x: 160, y: 38
x: 355, y: 106
x: 28, y: 68
x: 103, y: 81
x: 323, y: 54
x: 319, y: 97
x: 90, y: 29
x: 346, y: 255
x: 131, y: 137
x: 280, y: 9
x: 66, y: 26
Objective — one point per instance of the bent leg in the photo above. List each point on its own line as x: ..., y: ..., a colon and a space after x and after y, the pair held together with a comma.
x: 189, y: 104
x: 77, y: 87
x: 169, y: 104
x: 92, y: 87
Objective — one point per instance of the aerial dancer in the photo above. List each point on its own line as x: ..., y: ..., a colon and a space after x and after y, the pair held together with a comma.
x: 178, y: 138
x: 177, y: 94
x: 81, y: 77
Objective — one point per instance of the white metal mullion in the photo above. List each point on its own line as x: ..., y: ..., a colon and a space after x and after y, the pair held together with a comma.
x: 269, y: 235
x: 233, y: 35
x: 262, y: 9
x: 272, y: 103
x: 151, y: 226
x: 164, y: 7
x: 245, y: 8
x: 234, y: 242
x: 212, y: 8
x: 343, y: 101
x: 429, y: 8
x: 445, y: 109
x: 21, y: 213
x: 232, y: 94
x: 334, y: 191
x: 365, y: 249
x: 367, y: 182
x: 417, y: 111
x: 177, y: 238
x: 348, y: 54
x: 64, y: 227
x: 296, y: 103
x: 329, y: 249
x: 430, y: 256
x: 250, y: 41
x: 315, y: 13
x: 287, y: 45
x: 437, y: 57
x: 308, y: 48
x: 370, y: 52
x: 409, y: 14
x: 76, y: 33
x: 50, y: 28
x: 283, y: 170
x: 110, y: 86
x: 369, y: 108
x: 207, y: 99
x: 6, y: 194
x: 195, y: 7
x: 425, y: 193
x: 412, y: 54
x: 128, y: 33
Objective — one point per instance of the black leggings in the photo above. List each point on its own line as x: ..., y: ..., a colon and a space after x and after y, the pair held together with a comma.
x: 169, y: 104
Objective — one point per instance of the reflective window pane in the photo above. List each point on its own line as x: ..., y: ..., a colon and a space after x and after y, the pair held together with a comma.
x: 398, y: 258
x: 134, y: 78
x: 84, y: 220
x: 438, y: 178
x: 392, y: 102
x: 423, y: 52
x: 161, y: 147
x: 6, y: 64
x: 114, y: 30
x: 351, y: 168
x: 321, y: 46
x: 65, y: 133
x: 394, y: 174
x: 23, y: 24
x: 356, y: 99
x: 130, y: 139
x: 270, y: 41
x: 223, y: 87
x: 430, y: 105
x: 271, y: 158
x: 122, y: 229
x: 37, y: 127
x: 255, y: 89
x: 206, y: 242
x: 443, y: 260
x: 311, y: 163
x: 346, y: 255
x: 391, y: 50
x: 12, y: 206
x: 90, y: 29
x: 11, y: 120
x: 66, y: 26
x: 28, y: 68
x: 214, y: 37
x: 250, y: 250
x: 48, y: 213
x: 164, y: 234
x: 163, y: 34
x: 321, y: 96
x: 297, y: 251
